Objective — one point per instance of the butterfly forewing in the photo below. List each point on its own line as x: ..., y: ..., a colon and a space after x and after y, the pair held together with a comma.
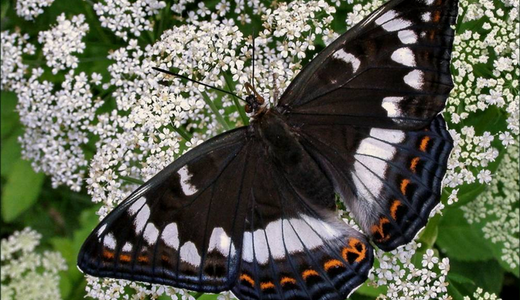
x: 183, y: 227
x: 391, y: 70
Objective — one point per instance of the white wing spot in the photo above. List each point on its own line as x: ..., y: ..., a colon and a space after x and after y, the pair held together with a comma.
x: 371, y: 157
x: 127, y: 247
x: 141, y: 219
x: 323, y: 228
x: 188, y: 188
x: 388, y: 135
x: 429, y: 2
x: 247, y: 247
x: 260, y: 245
x: 348, y: 58
x: 426, y: 17
x: 189, y: 254
x: 151, y: 234
x: 390, y: 104
x: 134, y: 208
x: 396, y: 24
x: 404, y: 56
x: 109, y: 241
x: 407, y: 36
x: 389, y: 15
x: 415, y: 79
x: 170, y: 236
x: 221, y: 241
x: 288, y: 234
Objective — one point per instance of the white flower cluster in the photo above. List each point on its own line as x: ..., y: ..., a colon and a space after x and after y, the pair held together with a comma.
x: 494, y: 92
x: 57, y: 126
x: 62, y: 40
x: 28, y: 274
x: 470, y: 151
x: 481, y: 295
x: 360, y: 11
x: 222, y: 8
x: 406, y: 281
x: 124, y: 17
x: 30, y: 9
x: 13, y: 47
x: 114, y: 289
x: 476, y: 93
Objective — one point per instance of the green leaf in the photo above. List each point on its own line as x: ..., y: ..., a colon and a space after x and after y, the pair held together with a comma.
x: 460, y: 240
x: 201, y: 296
x: 10, y: 153
x: 457, y: 290
x: 486, y: 274
x: 429, y: 234
x: 21, y: 190
x: 9, y: 116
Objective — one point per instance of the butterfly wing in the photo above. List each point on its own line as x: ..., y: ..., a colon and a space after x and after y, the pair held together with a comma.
x: 184, y: 227
x: 390, y: 179
x: 225, y: 216
x: 295, y: 247
x: 391, y: 70
x: 367, y: 110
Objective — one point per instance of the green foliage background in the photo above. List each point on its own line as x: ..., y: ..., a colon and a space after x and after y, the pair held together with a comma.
x: 65, y: 218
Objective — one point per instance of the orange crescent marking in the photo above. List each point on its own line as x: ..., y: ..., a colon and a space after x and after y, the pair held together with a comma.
x: 125, y: 257
x: 379, y: 229
x: 352, y: 249
x: 333, y: 263
x: 286, y: 280
x: 108, y: 254
x: 436, y: 16
x: 393, y: 209
x: 424, y: 143
x: 142, y: 258
x: 308, y: 273
x: 404, y: 185
x: 413, y: 164
x: 247, y: 278
x: 267, y: 285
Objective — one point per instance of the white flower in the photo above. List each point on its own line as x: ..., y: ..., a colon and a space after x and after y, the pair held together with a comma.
x: 27, y: 274
x: 506, y: 138
x: 484, y: 176
x: 30, y: 9
x: 62, y: 40
x: 429, y: 259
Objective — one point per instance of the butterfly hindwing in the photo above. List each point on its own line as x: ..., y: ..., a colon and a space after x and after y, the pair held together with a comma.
x: 294, y: 248
x: 172, y: 230
x: 390, y: 179
x: 392, y: 70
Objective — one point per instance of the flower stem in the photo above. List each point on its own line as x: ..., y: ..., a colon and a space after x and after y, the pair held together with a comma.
x: 215, y: 111
x: 132, y: 180
x: 182, y: 132
x: 240, y: 110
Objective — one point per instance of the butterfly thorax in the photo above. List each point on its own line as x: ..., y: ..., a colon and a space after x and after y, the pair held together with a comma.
x: 283, y: 147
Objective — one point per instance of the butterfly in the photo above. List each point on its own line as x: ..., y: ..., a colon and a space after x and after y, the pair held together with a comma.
x: 253, y: 210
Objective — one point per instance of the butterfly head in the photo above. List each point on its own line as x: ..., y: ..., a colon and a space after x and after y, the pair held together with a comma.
x: 255, y: 102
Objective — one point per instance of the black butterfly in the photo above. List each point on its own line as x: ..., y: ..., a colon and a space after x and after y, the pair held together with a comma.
x: 253, y: 210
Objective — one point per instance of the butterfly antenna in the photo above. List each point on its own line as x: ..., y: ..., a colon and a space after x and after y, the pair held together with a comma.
x: 253, y: 77
x: 196, y: 81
